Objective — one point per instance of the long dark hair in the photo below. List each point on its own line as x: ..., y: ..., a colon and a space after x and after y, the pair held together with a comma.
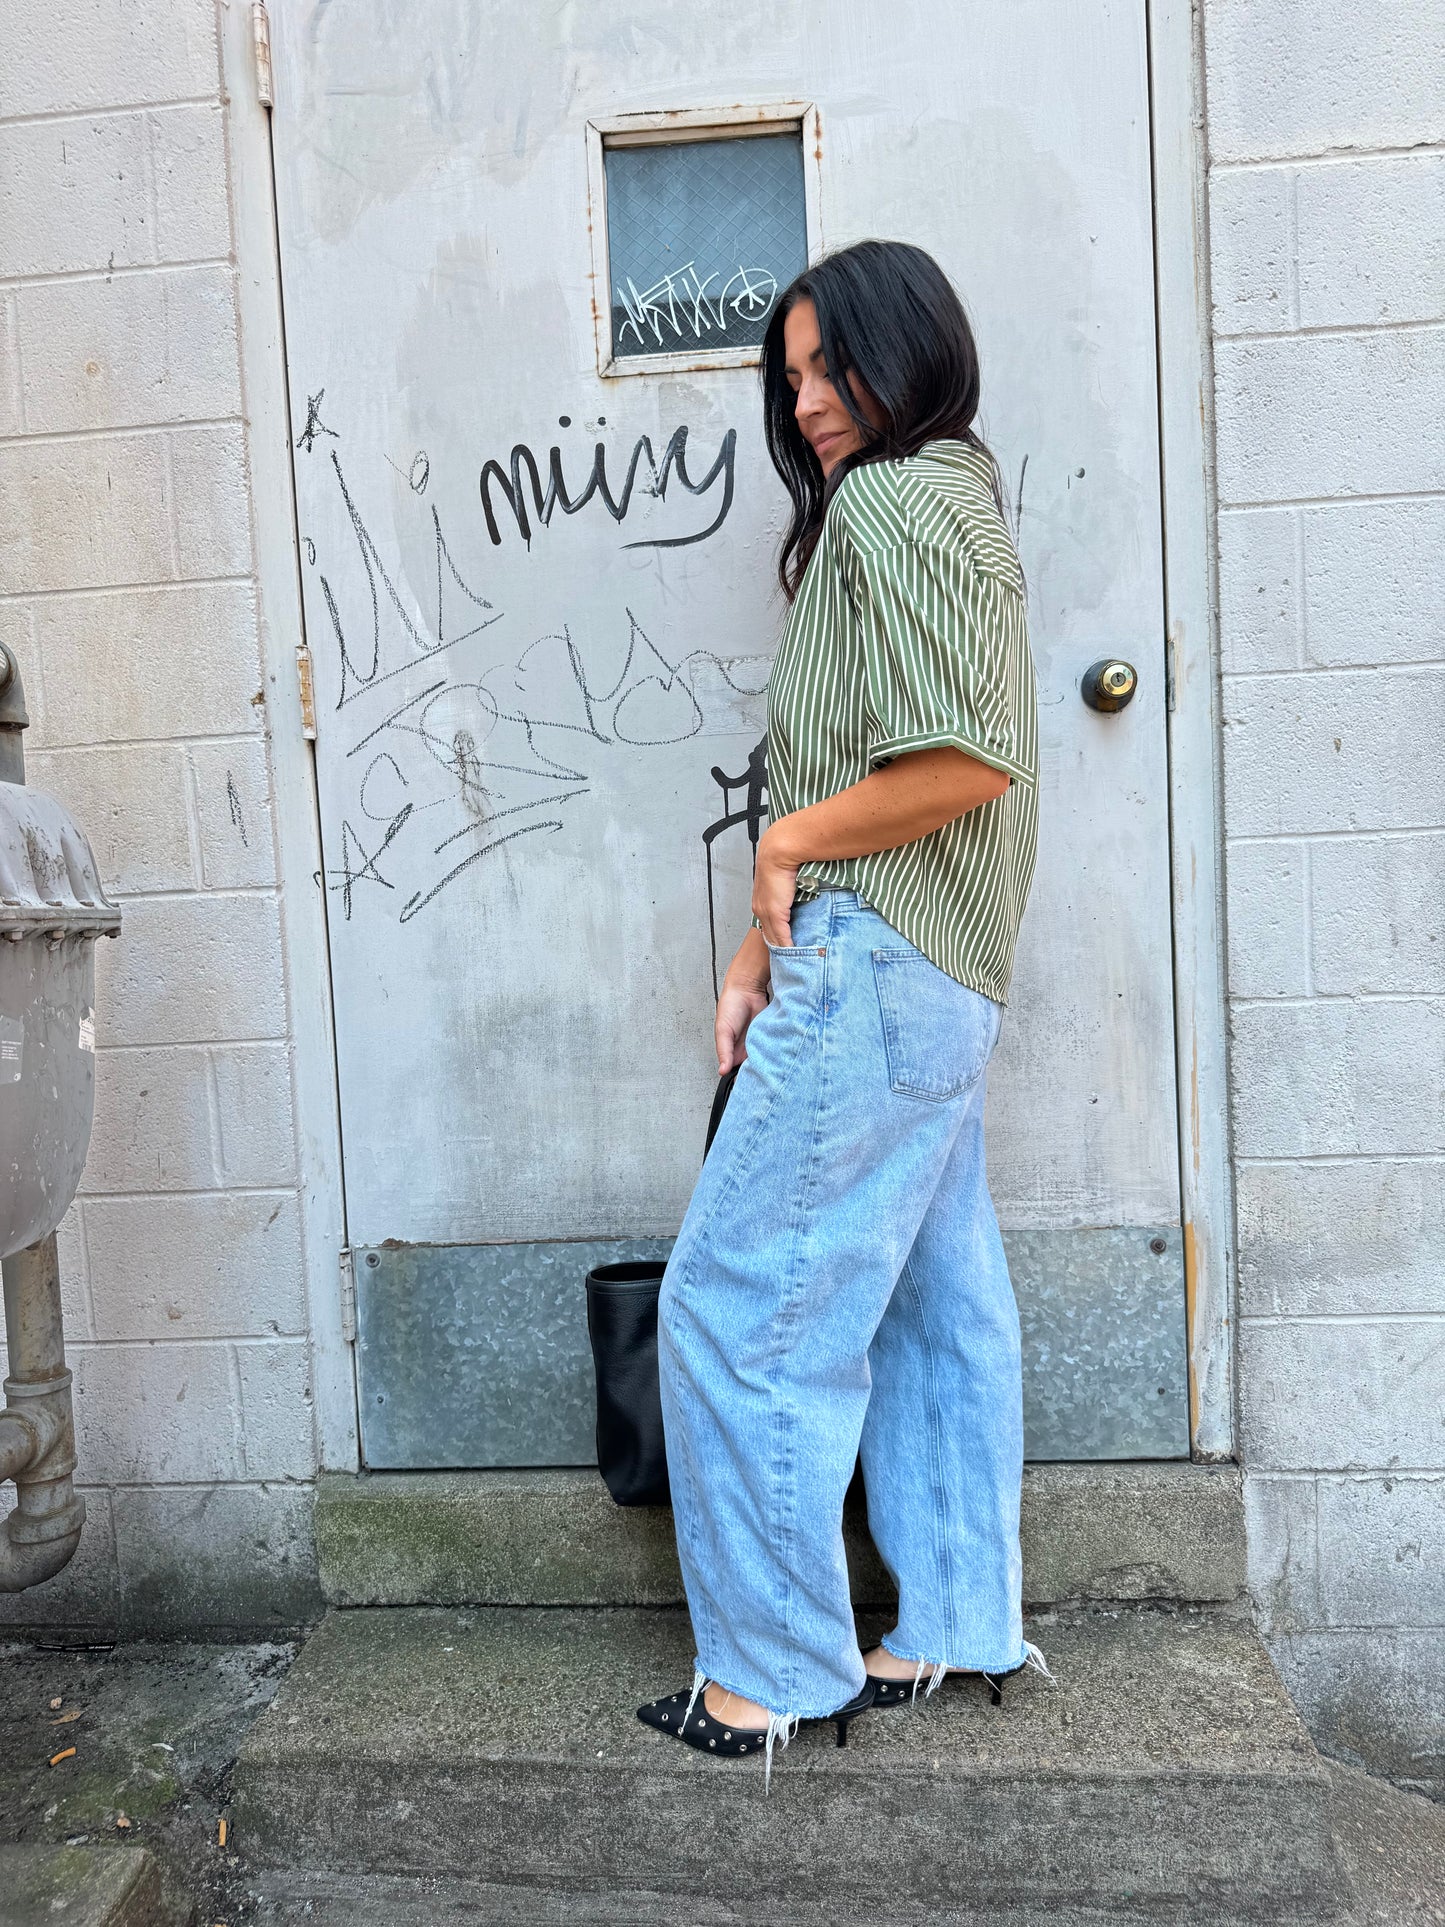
x: 889, y: 314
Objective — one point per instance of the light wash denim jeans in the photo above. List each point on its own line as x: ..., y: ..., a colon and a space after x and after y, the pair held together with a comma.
x: 839, y: 1285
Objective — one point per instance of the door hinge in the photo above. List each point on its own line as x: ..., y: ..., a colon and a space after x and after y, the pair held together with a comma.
x: 348, y: 1296
x: 261, y: 47
x: 308, y: 694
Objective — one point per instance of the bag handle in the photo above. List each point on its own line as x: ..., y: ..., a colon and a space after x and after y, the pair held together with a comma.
x: 719, y: 1105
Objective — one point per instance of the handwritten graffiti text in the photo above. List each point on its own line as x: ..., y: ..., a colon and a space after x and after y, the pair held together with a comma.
x: 556, y: 495
x: 681, y: 302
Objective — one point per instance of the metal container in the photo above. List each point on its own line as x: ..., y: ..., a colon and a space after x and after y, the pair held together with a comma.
x: 52, y: 909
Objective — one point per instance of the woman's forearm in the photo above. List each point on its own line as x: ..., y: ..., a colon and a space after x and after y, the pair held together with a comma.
x: 909, y: 798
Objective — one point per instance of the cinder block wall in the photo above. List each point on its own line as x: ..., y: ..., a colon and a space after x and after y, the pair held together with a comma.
x: 126, y: 590
x: 1326, y: 129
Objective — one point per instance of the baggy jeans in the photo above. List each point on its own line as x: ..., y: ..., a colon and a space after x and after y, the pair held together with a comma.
x: 839, y: 1286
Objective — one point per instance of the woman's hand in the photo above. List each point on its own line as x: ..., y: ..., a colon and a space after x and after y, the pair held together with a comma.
x: 744, y: 994
x: 775, y: 882
x: 908, y: 798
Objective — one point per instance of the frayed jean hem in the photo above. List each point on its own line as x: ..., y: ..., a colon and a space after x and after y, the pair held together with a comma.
x: 957, y: 1665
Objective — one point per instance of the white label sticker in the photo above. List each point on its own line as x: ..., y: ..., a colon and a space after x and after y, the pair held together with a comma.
x: 87, y: 1031
x: 12, y: 1049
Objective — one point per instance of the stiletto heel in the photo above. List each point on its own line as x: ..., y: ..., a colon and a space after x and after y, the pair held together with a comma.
x: 845, y: 1715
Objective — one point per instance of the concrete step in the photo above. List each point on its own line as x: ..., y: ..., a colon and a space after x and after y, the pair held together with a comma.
x: 1391, y: 1846
x: 391, y: 1900
x: 1164, y: 1769
x: 1169, y: 1531
x: 86, y: 1887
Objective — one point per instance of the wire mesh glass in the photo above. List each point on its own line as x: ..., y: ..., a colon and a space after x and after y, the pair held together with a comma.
x: 702, y: 237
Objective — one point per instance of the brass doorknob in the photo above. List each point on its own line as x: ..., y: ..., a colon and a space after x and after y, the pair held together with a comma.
x: 1109, y: 684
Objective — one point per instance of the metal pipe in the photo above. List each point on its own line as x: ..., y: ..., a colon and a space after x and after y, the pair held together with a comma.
x: 34, y: 1341
x: 37, y: 1423
x: 13, y: 719
x: 37, y: 1426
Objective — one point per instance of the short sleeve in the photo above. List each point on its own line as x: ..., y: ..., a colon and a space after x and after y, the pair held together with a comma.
x: 936, y: 652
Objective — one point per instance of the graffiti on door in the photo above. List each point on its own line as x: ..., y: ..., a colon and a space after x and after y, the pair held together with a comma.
x: 484, y: 756
x: 513, y: 484
x: 678, y: 306
x: 753, y: 784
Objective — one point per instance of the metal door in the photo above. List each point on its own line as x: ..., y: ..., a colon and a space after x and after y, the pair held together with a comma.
x: 526, y: 253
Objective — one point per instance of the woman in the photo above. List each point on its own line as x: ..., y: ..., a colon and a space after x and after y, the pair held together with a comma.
x: 839, y: 1285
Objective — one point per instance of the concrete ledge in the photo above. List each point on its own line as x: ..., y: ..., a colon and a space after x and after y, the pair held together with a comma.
x: 554, y: 1538
x: 85, y: 1887
x: 1163, y: 1762
x: 1133, y: 1531
x: 1392, y: 1848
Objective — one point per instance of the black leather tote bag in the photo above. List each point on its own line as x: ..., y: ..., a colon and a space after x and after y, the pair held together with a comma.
x: 622, y: 1325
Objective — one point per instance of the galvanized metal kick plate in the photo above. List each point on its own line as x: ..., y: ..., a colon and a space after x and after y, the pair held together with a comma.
x: 477, y: 1355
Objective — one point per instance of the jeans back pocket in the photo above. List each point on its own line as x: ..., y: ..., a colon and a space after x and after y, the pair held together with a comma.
x: 939, y: 1034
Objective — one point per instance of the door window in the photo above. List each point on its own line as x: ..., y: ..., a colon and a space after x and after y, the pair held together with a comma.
x: 702, y: 235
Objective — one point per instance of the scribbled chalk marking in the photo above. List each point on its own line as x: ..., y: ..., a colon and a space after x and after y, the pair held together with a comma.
x: 517, y: 809
x: 351, y: 845
x: 356, y: 679
x: 314, y: 424
x: 608, y: 715
x: 618, y: 714
x: 233, y: 804
x: 420, y: 902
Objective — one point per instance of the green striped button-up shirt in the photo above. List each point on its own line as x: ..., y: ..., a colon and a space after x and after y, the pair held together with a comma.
x: 908, y: 632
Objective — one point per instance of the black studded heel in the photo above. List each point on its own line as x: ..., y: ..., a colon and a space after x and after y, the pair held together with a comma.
x: 893, y: 1692
x: 903, y: 1692
x: 699, y: 1728
x: 684, y: 1716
